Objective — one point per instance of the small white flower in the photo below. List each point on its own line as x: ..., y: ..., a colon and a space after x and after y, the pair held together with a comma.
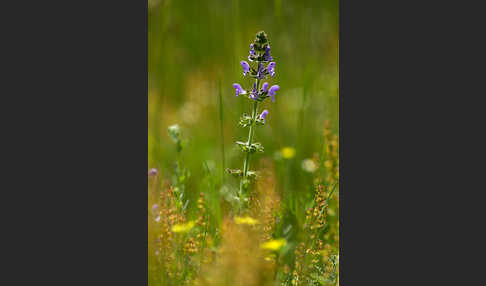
x: 309, y: 166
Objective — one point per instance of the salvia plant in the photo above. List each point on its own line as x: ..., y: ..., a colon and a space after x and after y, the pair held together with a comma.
x: 259, y: 67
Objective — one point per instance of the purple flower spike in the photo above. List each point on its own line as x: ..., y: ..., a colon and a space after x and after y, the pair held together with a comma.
x: 246, y: 67
x: 264, y: 114
x: 264, y: 86
x: 272, y: 91
x: 271, y: 68
x: 239, y: 89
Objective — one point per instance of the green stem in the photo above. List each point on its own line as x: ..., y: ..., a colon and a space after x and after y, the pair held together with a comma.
x: 246, y: 164
x: 250, y: 139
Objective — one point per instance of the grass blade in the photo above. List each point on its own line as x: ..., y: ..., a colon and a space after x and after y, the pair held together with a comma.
x: 220, y: 94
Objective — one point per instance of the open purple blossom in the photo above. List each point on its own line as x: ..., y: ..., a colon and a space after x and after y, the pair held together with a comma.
x: 263, y: 115
x: 267, y: 57
x: 272, y: 90
x: 239, y: 89
x: 246, y: 67
x: 264, y: 86
x: 271, y: 68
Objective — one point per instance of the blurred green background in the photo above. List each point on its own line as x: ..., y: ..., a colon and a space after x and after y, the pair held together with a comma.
x: 194, y: 45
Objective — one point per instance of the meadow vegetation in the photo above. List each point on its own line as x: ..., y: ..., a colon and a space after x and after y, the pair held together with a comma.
x: 278, y: 224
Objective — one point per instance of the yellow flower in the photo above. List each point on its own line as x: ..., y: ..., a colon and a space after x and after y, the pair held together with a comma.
x: 274, y: 244
x: 185, y: 227
x: 245, y: 220
x: 288, y: 152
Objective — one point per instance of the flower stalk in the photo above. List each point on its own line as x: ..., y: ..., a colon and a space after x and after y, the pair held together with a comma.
x: 250, y: 137
x: 264, y: 67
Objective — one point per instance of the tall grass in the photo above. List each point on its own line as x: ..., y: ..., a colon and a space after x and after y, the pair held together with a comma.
x: 221, y: 127
x: 268, y: 244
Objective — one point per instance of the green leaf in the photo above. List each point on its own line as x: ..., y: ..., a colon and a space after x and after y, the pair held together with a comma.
x: 245, y: 120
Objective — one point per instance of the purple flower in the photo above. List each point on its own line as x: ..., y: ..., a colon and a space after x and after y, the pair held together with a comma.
x: 272, y: 91
x: 271, y: 68
x: 252, y: 53
x: 267, y: 57
x: 260, y: 72
x: 264, y: 86
x: 155, y: 208
x: 264, y: 114
x: 239, y: 90
x: 246, y: 67
x: 254, y: 93
x: 153, y: 172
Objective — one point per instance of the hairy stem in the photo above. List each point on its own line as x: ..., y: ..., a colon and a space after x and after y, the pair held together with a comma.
x: 250, y: 139
x: 246, y: 164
